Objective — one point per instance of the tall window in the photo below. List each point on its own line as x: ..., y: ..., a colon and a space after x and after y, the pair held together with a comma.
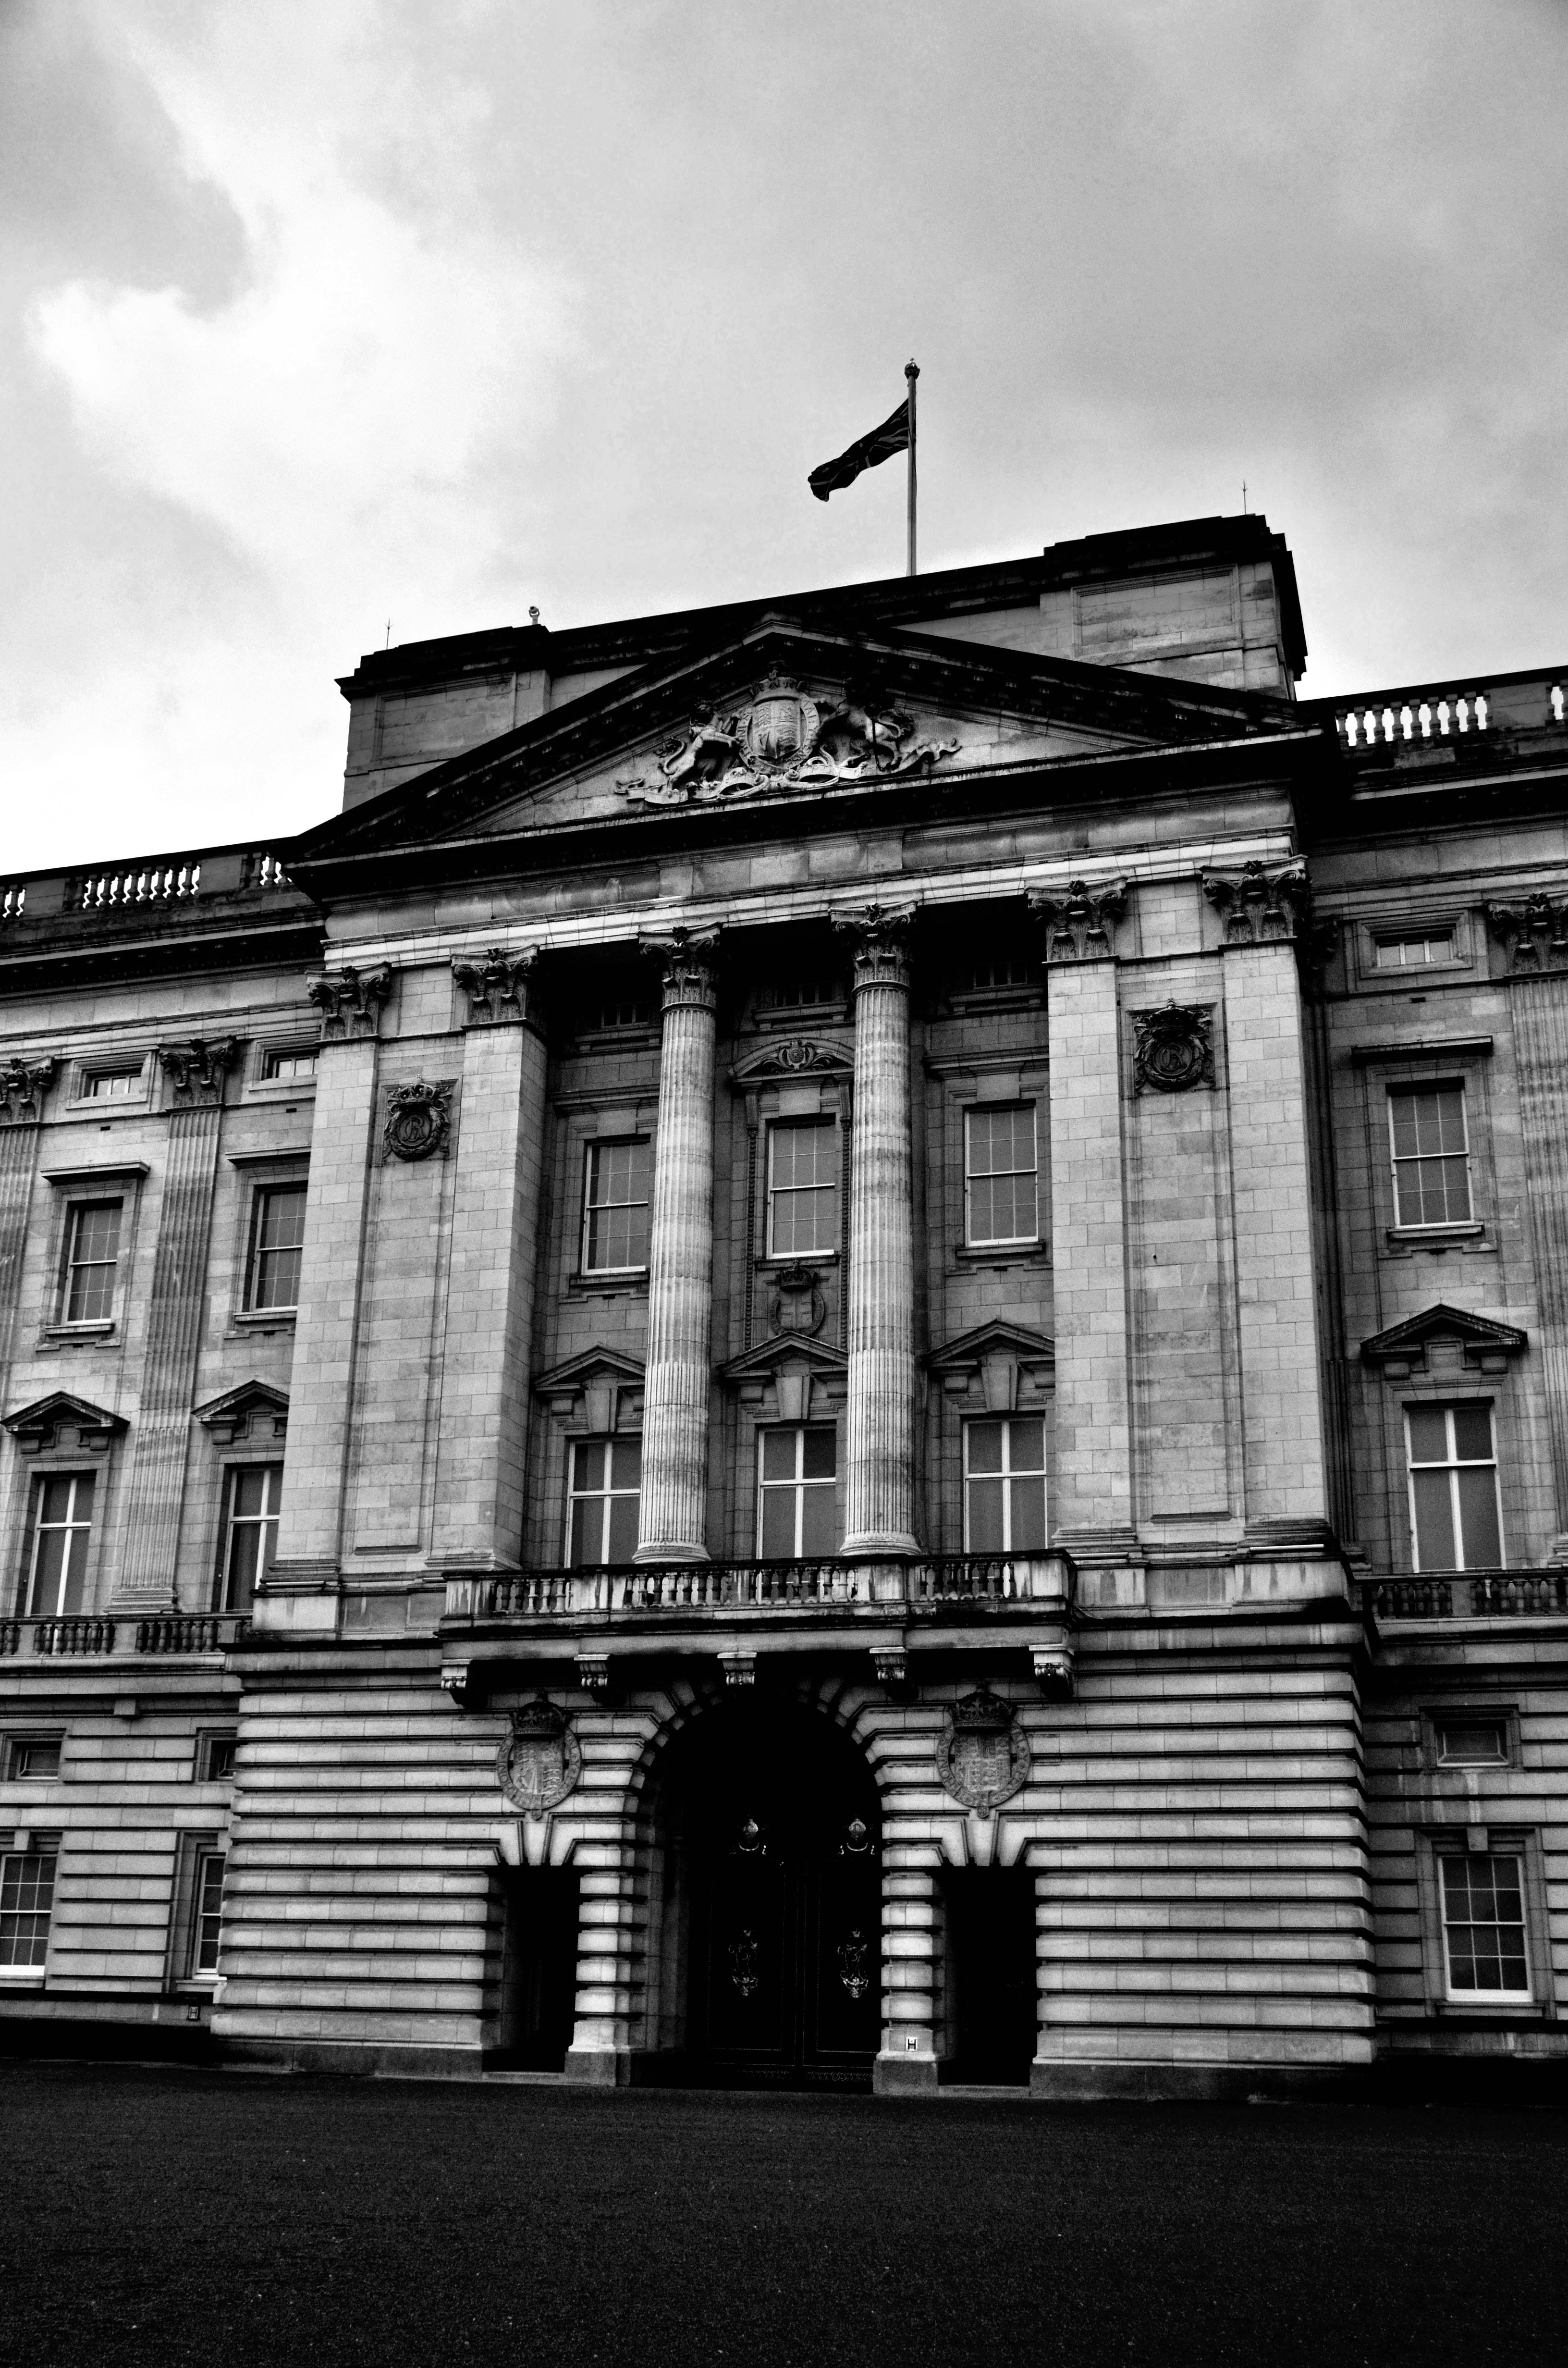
x: 253, y: 1502
x: 277, y: 1237
x: 1431, y: 1155
x: 57, y: 1547
x: 206, y: 1913
x: 618, y: 1179
x: 802, y: 1188
x: 1453, y: 1488
x: 92, y: 1257
x: 1001, y: 1176
x: 1483, y: 1926
x: 27, y: 1903
x: 603, y: 1490
x: 796, y: 1515
x: 1004, y: 1486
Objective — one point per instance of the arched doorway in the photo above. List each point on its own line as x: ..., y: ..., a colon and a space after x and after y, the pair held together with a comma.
x: 772, y: 1900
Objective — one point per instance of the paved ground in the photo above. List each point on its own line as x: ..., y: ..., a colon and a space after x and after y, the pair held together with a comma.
x: 227, y: 2219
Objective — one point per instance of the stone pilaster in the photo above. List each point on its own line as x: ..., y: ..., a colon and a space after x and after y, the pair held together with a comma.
x: 179, y: 1297
x: 1285, y: 1467
x: 907, y: 2060
x: 672, y: 1522
x: 1088, y: 1245
x: 609, y: 1943
x: 22, y: 1089
x: 326, y: 1329
x: 879, y: 1480
x: 490, y: 1294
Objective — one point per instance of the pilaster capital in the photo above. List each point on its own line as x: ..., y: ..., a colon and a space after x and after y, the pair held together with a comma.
x: 22, y: 1085
x: 1260, y: 905
x: 349, y: 999
x: 499, y: 985
x: 881, y: 935
x: 1080, y: 920
x: 1535, y: 932
x: 690, y: 967
x: 199, y: 1067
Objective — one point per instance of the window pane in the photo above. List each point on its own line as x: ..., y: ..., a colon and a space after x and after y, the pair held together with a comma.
x: 245, y: 1553
x: 209, y: 1913
x: 819, y: 1522
x: 1481, y: 1741
x: 54, y: 1498
x: 985, y: 1502
x: 44, y: 1600
x: 1028, y: 1533
x: 777, y: 1524
x: 587, y: 1530
x: 984, y: 1440
x: 1026, y: 1446
x: 1478, y: 1519
x: 588, y: 1463
x: 778, y: 1454
x: 250, y: 1489
x: 1428, y: 1434
x: 622, y: 1528
x: 1434, y: 1521
x: 626, y: 1464
x: 1472, y: 1433
x: 818, y: 1461
x: 26, y: 1896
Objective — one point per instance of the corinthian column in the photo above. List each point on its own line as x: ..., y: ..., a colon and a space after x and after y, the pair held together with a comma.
x: 879, y: 1492
x: 672, y: 1519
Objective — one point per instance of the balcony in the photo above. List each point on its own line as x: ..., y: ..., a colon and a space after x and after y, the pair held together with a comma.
x: 156, y: 1636
x: 1527, y: 1594
x: 737, y: 1609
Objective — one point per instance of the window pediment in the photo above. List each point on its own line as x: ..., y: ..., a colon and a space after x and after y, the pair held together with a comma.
x: 1006, y: 1364
x: 256, y: 1410
x: 61, y: 1419
x: 601, y: 1387
x: 1402, y: 1348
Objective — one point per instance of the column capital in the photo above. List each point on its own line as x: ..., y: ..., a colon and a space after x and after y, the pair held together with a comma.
x: 1080, y: 920
x: 198, y: 1068
x: 1263, y: 904
x: 22, y: 1086
x: 350, y: 999
x: 881, y: 933
x: 499, y: 985
x: 689, y: 959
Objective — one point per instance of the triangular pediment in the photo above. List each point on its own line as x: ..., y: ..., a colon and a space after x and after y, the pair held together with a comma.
x: 783, y: 1352
x: 256, y: 1410
x: 1482, y: 1339
x: 600, y: 1388
x: 779, y: 718
x: 39, y: 1428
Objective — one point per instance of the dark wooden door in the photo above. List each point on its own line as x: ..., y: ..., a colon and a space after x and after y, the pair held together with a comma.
x: 991, y: 1977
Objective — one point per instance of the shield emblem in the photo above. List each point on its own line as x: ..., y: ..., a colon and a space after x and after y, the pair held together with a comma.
x: 541, y: 1762
x: 984, y: 1759
x: 779, y: 729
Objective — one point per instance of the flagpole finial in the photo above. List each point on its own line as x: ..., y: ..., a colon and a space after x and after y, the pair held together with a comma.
x: 911, y: 368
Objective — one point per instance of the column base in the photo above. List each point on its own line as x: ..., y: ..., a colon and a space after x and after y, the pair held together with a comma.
x: 671, y: 1552
x: 890, y: 1545
x: 903, y: 2075
x: 599, y: 2067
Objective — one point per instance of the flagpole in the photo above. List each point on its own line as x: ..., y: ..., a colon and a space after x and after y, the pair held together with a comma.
x: 911, y: 371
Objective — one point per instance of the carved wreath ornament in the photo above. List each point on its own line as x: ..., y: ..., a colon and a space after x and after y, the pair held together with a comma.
x: 783, y: 738
x: 418, y: 1121
x: 1173, y: 1048
x: 540, y: 1760
x: 983, y: 1759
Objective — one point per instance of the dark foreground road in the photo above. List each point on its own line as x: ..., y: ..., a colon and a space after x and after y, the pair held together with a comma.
x: 226, y: 2219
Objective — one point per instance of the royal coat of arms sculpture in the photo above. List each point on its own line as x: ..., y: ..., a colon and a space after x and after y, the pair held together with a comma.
x: 984, y: 1758
x: 784, y: 738
x: 540, y: 1760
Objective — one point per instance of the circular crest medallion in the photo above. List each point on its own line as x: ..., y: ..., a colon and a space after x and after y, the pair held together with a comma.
x: 418, y: 1120
x: 540, y: 1760
x: 983, y: 1759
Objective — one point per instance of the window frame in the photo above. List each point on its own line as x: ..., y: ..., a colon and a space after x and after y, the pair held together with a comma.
x: 826, y: 1123
x: 272, y: 1467
x: 29, y: 1739
x: 608, y: 1496
x: 971, y: 1112
x: 1402, y: 1225
x: 79, y: 1205
x: 592, y: 1147
x: 262, y: 1192
x: 1007, y: 1476
x: 1519, y: 1999
x: 1453, y: 1465
x: 267, y: 1080
x: 33, y: 1846
x: 193, y: 1850
x: 90, y: 1074
x: 1437, y: 933
x: 798, y: 1484
x: 73, y: 1472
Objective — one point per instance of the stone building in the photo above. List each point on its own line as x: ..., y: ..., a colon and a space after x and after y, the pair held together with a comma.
x: 835, y: 1351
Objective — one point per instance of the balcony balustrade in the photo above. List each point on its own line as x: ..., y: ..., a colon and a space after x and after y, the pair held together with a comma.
x: 1470, y: 1595
x: 946, y: 1583
x: 91, y: 1638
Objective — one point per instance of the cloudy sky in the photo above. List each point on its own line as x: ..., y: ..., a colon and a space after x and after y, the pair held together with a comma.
x: 319, y: 316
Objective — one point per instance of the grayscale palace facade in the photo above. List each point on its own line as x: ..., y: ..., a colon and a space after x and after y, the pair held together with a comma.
x: 834, y: 1351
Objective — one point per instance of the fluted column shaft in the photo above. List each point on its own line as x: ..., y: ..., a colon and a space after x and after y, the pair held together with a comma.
x: 880, y: 1489
x: 672, y: 1519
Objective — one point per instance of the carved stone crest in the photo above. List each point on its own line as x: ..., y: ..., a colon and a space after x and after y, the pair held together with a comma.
x: 798, y: 1304
x: 1173, y: 1048
x: 540, y: 1760
x: 983, y: 1759
x: 418, y: 1120
x: 783, y: 738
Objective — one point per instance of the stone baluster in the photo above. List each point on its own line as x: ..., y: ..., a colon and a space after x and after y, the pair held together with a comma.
x: 671, y: 1521
x: 880, y: 1488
